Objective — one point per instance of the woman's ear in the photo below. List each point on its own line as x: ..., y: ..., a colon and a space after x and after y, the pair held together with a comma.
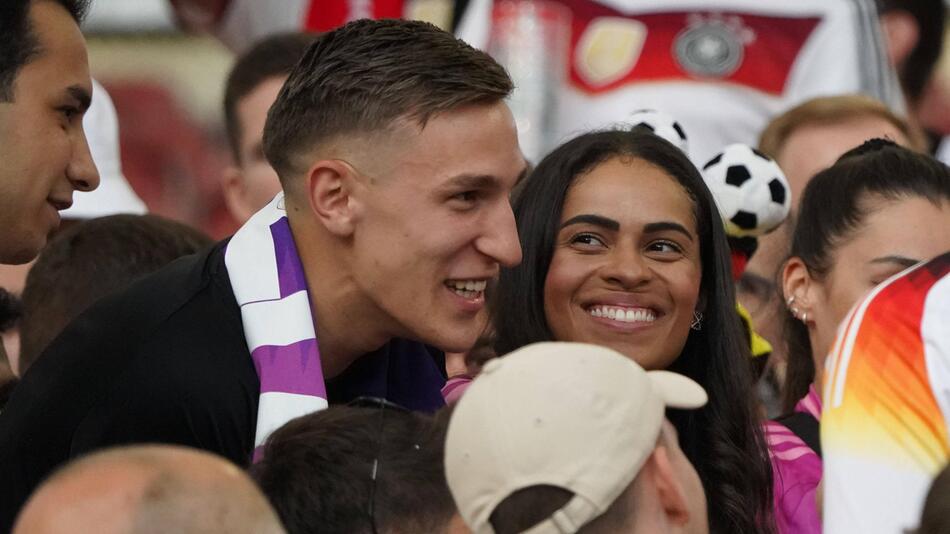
x: 799, y: 289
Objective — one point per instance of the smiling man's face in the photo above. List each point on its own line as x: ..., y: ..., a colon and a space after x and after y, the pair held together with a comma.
x: 42, y: 144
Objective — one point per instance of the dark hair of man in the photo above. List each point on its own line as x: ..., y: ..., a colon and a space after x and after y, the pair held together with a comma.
x: 365, y: 75
x: 832, y: 208
x: 316, y: 470
x: 723, y: 440
x: 90, y: 260
x: 272, y: 56
x: 18, y: 43
x: 935, y: 518
x: 930, y: 16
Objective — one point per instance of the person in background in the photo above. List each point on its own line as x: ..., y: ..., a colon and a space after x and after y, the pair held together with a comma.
x: 9, y: 315
x: 615, y: 464
x: 884, y: 424
x: 45, y: 90
x: 113, y: 196
x: 370, y: 467
x: 250, y: 182
x: 624, y: 247
x: 89, y: 261
x: 803, y: 141
x: 867, y: 217
x: 145, y: 489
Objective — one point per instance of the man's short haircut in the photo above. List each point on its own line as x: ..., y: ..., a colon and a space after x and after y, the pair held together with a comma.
x: 831, y: 110
x: 272, y: 56
x: 317, y: 472
x: 365, y: 75
x: 90, y: 260
x: 18, y: 42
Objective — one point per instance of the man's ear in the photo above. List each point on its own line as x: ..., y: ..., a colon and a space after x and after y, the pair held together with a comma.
x: 235, y: 193
x: 329, y: 187
x: 669, y: 490
x: 799, y: 289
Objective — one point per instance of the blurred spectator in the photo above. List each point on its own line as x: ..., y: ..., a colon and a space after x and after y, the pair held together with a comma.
x: 569, y: 437
x: 884, y: 424
x: 89, y: 261
x: 914, y: 31
x: 935, y: 518
x: 241, y: 23
x: 358, y: 470
x: 803, y: 141
x: 148, y: 489
x: 250, y: 182
x: 45, y: 89
x: 864, y: 219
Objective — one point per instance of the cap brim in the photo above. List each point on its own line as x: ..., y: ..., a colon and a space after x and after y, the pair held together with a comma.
x: 677, y: 390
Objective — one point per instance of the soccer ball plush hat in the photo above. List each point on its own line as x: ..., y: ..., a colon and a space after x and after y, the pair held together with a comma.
x: 750, y: 189
x: 661, y: 125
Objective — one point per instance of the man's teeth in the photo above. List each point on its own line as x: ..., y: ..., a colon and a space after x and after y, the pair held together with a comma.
x: 469, y: 289
x: 624, y: 315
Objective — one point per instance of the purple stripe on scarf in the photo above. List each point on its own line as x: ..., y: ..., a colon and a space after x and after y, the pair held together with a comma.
x: 289, y: 270
x: 293, y: 368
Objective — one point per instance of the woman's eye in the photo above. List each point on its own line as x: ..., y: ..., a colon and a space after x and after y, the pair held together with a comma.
x: 587, y: 239
x: 665, y: 247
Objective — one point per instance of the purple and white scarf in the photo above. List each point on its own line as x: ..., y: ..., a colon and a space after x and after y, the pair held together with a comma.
x: 269, y: 285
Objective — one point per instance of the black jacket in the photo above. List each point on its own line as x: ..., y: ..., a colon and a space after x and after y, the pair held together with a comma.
x: 166, y: 361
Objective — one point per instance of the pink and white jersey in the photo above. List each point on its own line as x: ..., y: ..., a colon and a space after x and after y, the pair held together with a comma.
x: 887, y: 404
x: 721, y: 68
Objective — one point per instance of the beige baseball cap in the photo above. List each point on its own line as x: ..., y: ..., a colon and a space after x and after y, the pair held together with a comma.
x: 576, y: 416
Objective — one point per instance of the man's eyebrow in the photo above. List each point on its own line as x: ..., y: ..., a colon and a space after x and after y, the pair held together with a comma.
x: 664, y: 226
x: 81, y: 95
x: 471, y: 181
x: 596, y: 220
x: 902, y: 261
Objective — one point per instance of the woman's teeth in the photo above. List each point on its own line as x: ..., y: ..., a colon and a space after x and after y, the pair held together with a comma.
x: 623, y: 315
x: 468, y: 289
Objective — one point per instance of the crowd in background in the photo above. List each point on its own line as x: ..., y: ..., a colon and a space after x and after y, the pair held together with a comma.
x: 489, y: 266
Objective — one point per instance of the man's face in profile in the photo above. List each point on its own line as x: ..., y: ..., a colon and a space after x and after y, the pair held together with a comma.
x: 42, y: 144
x: 437, y: 223
x: 251, y: 182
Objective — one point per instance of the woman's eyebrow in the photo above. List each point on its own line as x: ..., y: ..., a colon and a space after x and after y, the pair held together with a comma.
x: 665, y: 226
x: 596, y: 220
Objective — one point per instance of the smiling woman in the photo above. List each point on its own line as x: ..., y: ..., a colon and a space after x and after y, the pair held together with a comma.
x: 623, y: 247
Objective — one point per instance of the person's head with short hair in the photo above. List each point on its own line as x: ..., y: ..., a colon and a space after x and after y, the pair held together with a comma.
x: 397, y: 154
x: 804, y: 140
x: 87, y: 262
x: 878, y: 210
x: 250, y: 90
x: 358, y: 470
x: 569, y: 437
x: 148, y: 489
x: 45, y: 89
